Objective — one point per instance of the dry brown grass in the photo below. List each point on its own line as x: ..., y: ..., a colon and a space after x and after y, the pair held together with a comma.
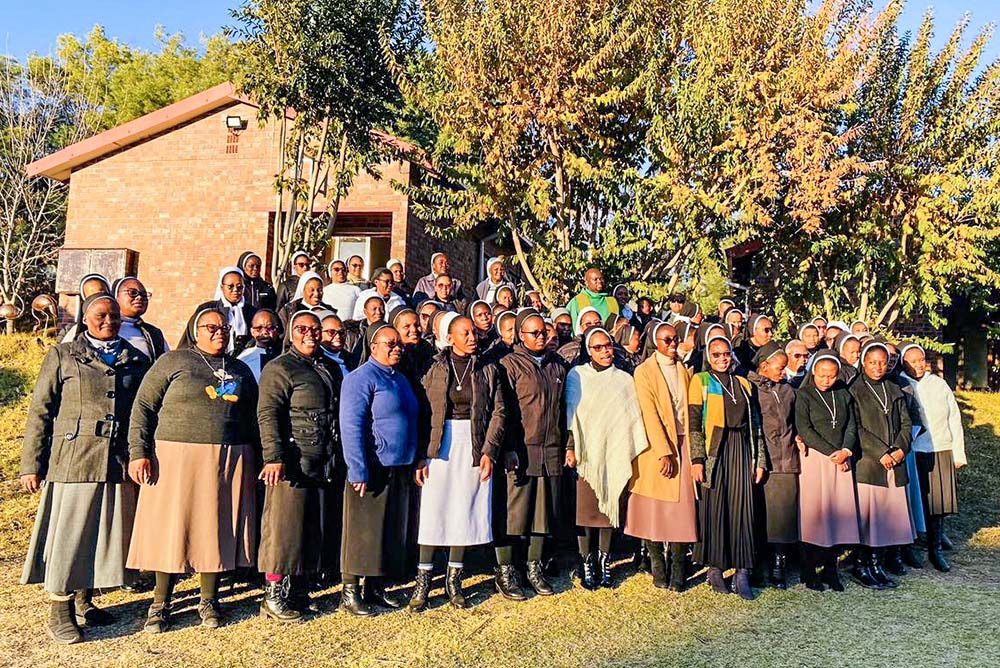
x: 932, y: 620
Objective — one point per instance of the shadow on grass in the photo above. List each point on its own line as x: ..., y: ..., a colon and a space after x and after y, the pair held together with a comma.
x: 14, y: 385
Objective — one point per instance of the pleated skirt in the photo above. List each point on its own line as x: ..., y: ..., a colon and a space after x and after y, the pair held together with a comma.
x: 524, y: 505
x: 200, y: 516
x: 81, y: 536
x: 455, y: 505
x: 375, y: 525
x: 781, y: 507
x: 297, y: 530
x: 828, y: 503
x: 938, y: 485
x: 885, y: 514
x: 666, y: 521
x: 726, y: 512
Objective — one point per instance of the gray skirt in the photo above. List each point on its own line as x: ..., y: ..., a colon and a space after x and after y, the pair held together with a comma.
x: 81, y: 536
x: 938, y: 487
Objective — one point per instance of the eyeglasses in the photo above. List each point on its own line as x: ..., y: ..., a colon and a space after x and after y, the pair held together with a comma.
x: 264, y: 328
x: 391, y: 345
x: 385, y: 281
x: 215, y: 329
x: 233, y: 287
x: 339, y: 270
x: 800, y: 356
x: 602, y: 347
x: 534, y: 333
x: 304, y: 265
x: 333, y: 332
x: 768, y: 330
x: 669, y: 339
x: 137, y: 294
x: 302, y: 330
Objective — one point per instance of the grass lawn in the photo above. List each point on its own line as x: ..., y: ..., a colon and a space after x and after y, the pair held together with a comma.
x: 931, y: 620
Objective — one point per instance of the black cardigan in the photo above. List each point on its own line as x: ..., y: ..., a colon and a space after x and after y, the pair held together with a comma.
x: 879, y: 433
x: 815, y: 424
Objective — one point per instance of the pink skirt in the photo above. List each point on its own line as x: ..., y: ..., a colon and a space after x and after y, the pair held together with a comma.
x: 828, y: 503
x: 885, y: 514
x: 665, y: 521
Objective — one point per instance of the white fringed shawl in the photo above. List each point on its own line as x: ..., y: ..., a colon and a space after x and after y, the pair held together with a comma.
x: 603, y: 414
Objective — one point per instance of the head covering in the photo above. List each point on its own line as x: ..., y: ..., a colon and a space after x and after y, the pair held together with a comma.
x: 688, y: 311
x: 322, y: 314
x: 522, y: 315
x: 435, y: 256
x: 396, y: 312
x: 489, y: 265
x: 503, y: 316
x: 118, y: 284
x: 329, y: 267
x: 219, y: 296
x: 392, y: 263
x: 837, y: 324
x: 805, y: 327
x: 754, y: 320
x: 472, y: 306
x: 291, y: 321
x: 586, y: 339
x: 579, y: 317
x: 706, y: 332
x: 89, y: 302
x: 909, y: 344
x: 191, y: 330
x: 872, y: 346
x: 234, y: 312
x: 615, y: 289
x: 819, y: 317
x: 307, y: 276
x: 373, y: 330
x: 558, y: 312
x: 842, y: 338
x: 79, y: 296
x: 624, y: 335
x: 246, y: 255
x: 718, y: 337
x: 299, y: 253
x: 857, y: 321
x: 765, y: 353
x: 441, y: 326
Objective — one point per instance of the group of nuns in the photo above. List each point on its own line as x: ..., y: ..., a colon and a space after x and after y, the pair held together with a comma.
x: 311, y: 441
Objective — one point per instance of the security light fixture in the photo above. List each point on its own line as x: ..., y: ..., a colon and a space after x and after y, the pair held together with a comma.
x: 236, y: 123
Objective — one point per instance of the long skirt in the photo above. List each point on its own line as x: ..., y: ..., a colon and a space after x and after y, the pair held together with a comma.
x: 666, y: 521
x: 455, y: 505
x: 885, y: 514
x: 587, y: 512
x: 296, y: 528
x: 726, y: 512
x: 81, y: 536
x: 200, y: 515
x: 781, y: 507
x: 828, y: 503
x: 914, y: 494
x: 375, y: 525
x: 938, y: 486
x: 530, y: 505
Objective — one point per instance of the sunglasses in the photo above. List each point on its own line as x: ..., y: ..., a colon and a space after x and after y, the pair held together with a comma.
x: 800, y: 356
x: 333, y: 332
x: 534, y: 333
x: 137, y: 294
x: 339, y: 270
x: 304, y: 265
x: 391, y: 345
x: 233, y: 287
x: 302, y: 330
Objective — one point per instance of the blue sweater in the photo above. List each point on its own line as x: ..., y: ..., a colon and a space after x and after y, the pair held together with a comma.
x: 378, y: 416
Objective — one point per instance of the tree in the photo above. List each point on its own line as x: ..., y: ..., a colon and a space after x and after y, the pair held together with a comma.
x: 316, y: 68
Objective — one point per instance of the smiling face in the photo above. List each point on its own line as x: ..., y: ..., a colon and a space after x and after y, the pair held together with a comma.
x: 383, y: 284
x: 333, y: 334
x: 264, y: 329
x: 915, y: 363
x: 496, y: 272
x: 798, y: 356
x: 535, y: 301
x: 355, y: 265
x: 666, y: 341
x: 440, y: 264
x: 398, y: 275
x: 720, y: 355
x: 876, y: 363
x: 374, y: 310
x: 103, y: 320
x: 386, y: 347
x: 594, y: 280
x: 589, y: 320
x: 564, y: 327
x: 408, y: 326
x: 312, y: 293
x: 338, y: 272
x: 442, y: 288
x: 306, y: 334
x: 301, y: 265
x: 211, y: 333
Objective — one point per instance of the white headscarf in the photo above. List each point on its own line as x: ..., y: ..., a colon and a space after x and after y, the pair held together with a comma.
x: 237, y: 324
x: 303, y: 279
x: 443, y: 323
x: 579, y: 317
x: 489, y: 265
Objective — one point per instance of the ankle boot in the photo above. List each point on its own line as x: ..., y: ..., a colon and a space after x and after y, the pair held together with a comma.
x: 275, y: 604
x: 210, y: 613
x: 87, y: 614
x: 604, y: 569
x: 588, y: 574
x: 536, y: 578
x: 778, y: 571
x: 642, y: 559
x: 453, y: 587
x: 875, y: 565
x: 912, y: 557
x: 935, y: 531
x: 678, y: 566
x: 717, y: 582
x: 894, y: 561
x: 62, y: 626
x: 831, y: 575
x: 351, y: 601
x: 508, y: 583
x: 862, y: 571
x: 298, y: 595
x: 158, y: 618
x: 742, y: 581
x: 658, y: 566
x: 374, y: 593
x: 421, y: 589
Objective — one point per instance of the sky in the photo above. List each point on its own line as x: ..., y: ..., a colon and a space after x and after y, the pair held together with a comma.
x: 33, y: 25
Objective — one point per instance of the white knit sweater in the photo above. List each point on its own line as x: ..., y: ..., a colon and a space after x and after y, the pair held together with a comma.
x: 941, y: 417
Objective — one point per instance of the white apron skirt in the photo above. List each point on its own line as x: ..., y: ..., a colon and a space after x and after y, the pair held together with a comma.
x: 455, y: 506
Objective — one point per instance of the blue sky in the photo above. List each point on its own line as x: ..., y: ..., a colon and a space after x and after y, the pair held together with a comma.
x: 32, y: 25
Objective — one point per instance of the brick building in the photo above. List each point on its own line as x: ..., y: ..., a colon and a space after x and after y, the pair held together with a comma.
x: 177, y: 194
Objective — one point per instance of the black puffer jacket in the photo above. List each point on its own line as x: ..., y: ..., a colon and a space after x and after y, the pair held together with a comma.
x: 78, y: 422
x: 535, y: 398
x: 298, y: 413
x: 880, y: 433
x: 777, y: 411
x: 489, y: 412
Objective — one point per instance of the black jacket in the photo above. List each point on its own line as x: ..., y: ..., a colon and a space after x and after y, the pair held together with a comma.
x: 814, y: 419
x: 535, y: 400
x: 260, y: 294
x: 286, y: 292
x: 880, y: 433
x: 777, y: 412
x: 298, y: 413
x: 488, y: 409
x: 78, y: 421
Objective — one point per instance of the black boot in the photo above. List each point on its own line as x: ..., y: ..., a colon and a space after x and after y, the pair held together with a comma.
x: 875, y: 565
x: 831, y: 576
x: 642, y: 560
x: 351, y: 601
x: 62, y: 626
x: 536, y: 578
x: 778, y: 567
x: 453, y: 587
x: 810, y: 559
x: 87, y: 614
x: 894, y: 561
x: 862, y: 572
x: 935, y: 531
x: 658, y: 565
x: 158, y: 618
x: 298, y: 595
x: 678, y: 566
x: 946, y: 543
x: 588, y: 575
x: 717, y: 582
x: 604, y: 569
x: 275, y: 604
x: 421, y: 590
x: 374, y: 592
x: 742, y: 581
x: 508, y: 583
x: 911, y: 556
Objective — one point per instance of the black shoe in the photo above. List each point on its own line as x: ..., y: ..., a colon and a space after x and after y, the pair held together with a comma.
x: 276, y: 604
x: 158, y: 618
x: 588, y: 573
x: 742, y: 581
x: 537, y: 579
x: 875, y: 566
x: 62, y: 626
x: 912, y: 557
x: 642, y: 560
x: 658, y: 566
x: 894, y: 561
x: 862, y: 572
x: 778, y: 563
x: 946, y: 543
x: 935, y: 544
x: 604, y: 569
x: 508, y: 583
x: 831, y: 573
x: 453, y: 587
x: 211, y: 615
x: 298, y: 595
x: 678, y: 566
x: 717, y: 582
x: 351, y: 601
x: 421, y: 590
x: 374, y: 592
x: 87, y: 614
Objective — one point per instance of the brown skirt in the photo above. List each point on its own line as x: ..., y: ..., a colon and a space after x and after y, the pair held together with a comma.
x: 885, y: 514
x: 587, y: 512
x: 938, y: 487
x: 828, y: 503
x: 663, y: 521
x: 296, y: 530
x: 200, y: 515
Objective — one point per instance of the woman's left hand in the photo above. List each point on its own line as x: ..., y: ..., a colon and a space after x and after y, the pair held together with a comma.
x: 485, y: 468
x: 759, y: 476
x: 571, y: 459
x: 887, y: 462
x: 272, y: 473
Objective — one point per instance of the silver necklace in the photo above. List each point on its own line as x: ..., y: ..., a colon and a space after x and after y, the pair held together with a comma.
x: 731, y: 391
x: 219, y: 373
x: 884, y: 400
x: 460, y: 379
x: 832, y: 411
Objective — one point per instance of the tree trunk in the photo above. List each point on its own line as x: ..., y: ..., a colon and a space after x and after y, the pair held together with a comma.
x: 523, y: 261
